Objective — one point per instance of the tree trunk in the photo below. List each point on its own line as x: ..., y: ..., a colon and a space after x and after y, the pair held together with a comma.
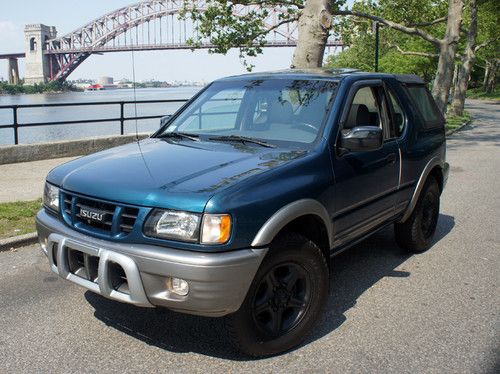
x: 314, y: 25
x: 457, y: 106
x: 487, y: 70
x: 490, y: 80
x: 447, y: 52
x: 455, y: 80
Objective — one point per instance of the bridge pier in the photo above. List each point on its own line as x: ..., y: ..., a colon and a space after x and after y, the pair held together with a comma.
x: 13, y: 71
x: 37, y: 62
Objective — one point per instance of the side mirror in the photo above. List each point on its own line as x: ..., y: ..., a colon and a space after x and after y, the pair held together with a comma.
x: 362, y: 138
x: 165, y: 119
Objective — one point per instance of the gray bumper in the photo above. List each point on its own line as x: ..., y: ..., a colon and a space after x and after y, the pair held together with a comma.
x: 218, y: 282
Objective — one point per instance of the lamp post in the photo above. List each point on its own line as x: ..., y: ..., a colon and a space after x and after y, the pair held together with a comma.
x: 376, y: 27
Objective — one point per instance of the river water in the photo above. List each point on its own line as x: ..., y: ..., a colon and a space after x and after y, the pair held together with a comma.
x: 77, y: 131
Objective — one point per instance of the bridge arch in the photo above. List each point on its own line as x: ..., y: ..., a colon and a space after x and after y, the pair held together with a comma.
x: 124, y: 29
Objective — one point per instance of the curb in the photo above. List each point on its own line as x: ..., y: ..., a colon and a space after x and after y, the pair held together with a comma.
x: 11, y: 154
x: 450, y: 132
x: 18, y: 241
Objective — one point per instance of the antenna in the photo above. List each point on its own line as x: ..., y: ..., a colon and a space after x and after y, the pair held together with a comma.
x: 135, y: 97
x: 135, y: 115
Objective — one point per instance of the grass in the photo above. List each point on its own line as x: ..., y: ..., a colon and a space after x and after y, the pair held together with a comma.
x: 457, y: 121
x: 478, y: 93
x: 18, y: 218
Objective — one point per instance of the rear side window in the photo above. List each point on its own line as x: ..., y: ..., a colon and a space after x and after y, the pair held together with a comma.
x: 398, y: 114
x: 426, y: 106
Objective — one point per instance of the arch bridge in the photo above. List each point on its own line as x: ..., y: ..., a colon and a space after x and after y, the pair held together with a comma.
x: 147, y: 25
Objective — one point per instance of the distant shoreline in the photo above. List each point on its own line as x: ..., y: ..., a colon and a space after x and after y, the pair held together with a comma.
x: 50, y: 87
x: 19, y: 89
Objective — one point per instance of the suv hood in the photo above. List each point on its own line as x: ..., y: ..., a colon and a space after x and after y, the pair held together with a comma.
x: 163, y: 173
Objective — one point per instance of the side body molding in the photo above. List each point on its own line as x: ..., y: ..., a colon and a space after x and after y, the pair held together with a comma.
x: 287, y: 214
x: 435, y: 161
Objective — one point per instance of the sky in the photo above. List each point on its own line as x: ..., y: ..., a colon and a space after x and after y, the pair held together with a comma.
x: 169, y: 65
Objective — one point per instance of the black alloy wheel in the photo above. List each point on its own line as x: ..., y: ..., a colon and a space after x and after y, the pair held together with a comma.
x: 417, y: 232
x: 430, y: 214
x: 281, y: 299
x: 285, y: 300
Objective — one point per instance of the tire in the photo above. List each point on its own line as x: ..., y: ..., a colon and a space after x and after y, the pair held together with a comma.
x: 291, y: 283
x: 417, y: 232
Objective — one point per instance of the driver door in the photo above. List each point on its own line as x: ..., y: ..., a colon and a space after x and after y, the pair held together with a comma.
x: 365, y: 182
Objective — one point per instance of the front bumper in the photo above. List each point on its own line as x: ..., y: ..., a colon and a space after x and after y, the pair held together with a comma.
x: 218, y: 282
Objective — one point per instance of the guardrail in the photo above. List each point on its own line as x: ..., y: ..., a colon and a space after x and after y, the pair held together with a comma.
x: 122, y: 119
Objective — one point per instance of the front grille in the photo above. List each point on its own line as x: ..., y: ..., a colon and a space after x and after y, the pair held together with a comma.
x: 115, y: 219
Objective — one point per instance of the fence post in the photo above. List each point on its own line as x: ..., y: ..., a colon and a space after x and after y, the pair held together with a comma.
x: 15, y: 124
x: 122, y: 118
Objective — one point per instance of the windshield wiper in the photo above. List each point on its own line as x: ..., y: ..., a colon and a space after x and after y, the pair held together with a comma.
x: 177, y: 134
x: 242, y: 139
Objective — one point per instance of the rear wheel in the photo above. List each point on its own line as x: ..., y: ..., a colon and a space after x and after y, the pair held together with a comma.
x: 417, y: 232
x: 285, y: 299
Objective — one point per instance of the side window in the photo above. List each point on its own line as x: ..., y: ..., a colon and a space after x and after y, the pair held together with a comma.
x: 369, y: 108
x: 364, y: 110
x: 426, y: 106
x: 398, y: 114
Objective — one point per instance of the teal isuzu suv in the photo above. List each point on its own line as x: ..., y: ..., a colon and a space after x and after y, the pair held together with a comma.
x: 234, y: 207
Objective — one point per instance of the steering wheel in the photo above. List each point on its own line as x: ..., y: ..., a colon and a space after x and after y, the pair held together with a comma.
x: 307, y: 126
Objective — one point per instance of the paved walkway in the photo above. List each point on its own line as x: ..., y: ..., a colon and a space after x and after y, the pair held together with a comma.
x: 24, y: 181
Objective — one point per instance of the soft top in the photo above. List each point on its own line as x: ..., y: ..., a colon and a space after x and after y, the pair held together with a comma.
x: 409, y: 78
x: 324, y: 73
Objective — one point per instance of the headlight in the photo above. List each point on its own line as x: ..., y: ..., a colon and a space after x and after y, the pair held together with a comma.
x: 186, y: 226
x: 51, y: 197
x: 170, y: 224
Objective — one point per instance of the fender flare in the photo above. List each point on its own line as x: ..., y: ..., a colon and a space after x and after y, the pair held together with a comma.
x: 433, y: 162
x: 287, y: 214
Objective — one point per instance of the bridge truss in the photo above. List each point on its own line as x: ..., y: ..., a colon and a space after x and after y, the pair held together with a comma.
x: 148, y: 25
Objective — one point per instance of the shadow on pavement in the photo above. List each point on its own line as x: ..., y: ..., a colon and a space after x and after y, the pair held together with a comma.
x: 355, y: 271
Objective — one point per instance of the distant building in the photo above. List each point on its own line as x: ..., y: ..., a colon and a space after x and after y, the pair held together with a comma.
x: 104, y: 81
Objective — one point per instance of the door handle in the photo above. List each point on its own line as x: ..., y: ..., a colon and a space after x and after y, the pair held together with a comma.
x: 391, y: 158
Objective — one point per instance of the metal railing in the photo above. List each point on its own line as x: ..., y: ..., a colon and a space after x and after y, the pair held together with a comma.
x: 122, y: 118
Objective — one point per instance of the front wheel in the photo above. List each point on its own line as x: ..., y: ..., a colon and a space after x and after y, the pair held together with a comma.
x: 285, y: 299
x: 417, y: 232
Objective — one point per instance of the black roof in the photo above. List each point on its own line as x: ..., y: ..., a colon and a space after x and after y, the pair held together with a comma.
x: 324, y: 73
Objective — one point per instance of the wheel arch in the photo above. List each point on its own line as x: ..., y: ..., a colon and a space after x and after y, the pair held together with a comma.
x: 434, y: 168
x: 306, y: 216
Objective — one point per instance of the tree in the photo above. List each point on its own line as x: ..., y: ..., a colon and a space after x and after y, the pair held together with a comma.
x: 447, y: 46
x: 227, y: 28
x: 398, y: 52
x: 488, y: 35
x: 241, y: 24
x: 489, y: 24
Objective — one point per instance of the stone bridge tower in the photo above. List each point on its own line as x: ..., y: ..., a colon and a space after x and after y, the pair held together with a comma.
x: 37, y: 64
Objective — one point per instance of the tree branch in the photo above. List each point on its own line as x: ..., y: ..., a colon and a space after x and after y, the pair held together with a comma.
x: 430, y: 23
x: 413, y: 53
x: 277, y: 25
x: 264, y: 3
x: 396, y: 26
x: 484, y: 44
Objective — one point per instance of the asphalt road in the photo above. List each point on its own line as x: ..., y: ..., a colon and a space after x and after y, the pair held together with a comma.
x: 388, y: 312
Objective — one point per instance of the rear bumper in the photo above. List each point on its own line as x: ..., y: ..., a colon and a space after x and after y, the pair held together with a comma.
x: 218, y: 282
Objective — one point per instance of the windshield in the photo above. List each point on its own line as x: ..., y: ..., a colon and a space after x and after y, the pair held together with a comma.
x: 272, y: 110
